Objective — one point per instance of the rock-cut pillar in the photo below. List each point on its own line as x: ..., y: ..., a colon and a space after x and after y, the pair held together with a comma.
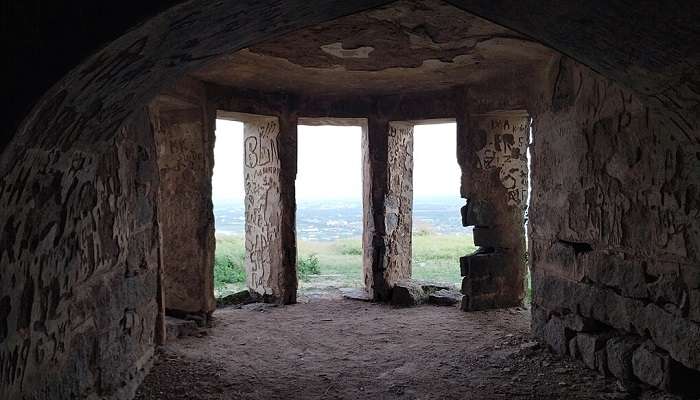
x: 492, y: 155
x: 270, y: 244
x: 387, y: 149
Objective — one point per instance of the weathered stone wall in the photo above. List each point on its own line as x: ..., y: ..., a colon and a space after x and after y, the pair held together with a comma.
x: 269, y: 214
x: 79, y: 274
x: 184, y: 135
x: 615, y: 230
x: 492, y: 155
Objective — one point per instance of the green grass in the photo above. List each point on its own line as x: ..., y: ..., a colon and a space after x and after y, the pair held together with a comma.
x: 336, y: 264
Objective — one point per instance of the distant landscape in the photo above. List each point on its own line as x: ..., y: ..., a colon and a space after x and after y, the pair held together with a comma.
x: 330, y: 247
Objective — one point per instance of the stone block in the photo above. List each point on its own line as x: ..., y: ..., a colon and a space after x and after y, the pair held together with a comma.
x: 694, y: 305
x: 579, y: 323
x: 355, y: 294
x: 177, y: 328
x: 477, y: 213
x: 486, y: 237
x: 445, y: 297
x: 619, y: 355
x: 238, y: 298
x: 573, y: 348
x: 557, y: 336
x: 591, y: 348
x: 652, y: 367
x: 432, y: 287
x: 539, y: 319
x: 407, y: 293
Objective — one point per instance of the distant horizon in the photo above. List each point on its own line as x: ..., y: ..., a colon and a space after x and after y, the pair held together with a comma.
x: 329, y: 169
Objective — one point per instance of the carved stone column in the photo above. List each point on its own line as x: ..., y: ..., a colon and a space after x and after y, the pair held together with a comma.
x: 492, y: 155
x: 184, y: 134
x: 387, y: 149
x: 270, y: 242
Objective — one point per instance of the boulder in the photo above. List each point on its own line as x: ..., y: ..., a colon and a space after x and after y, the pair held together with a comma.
x: 432, y: 287
x: 591, y: 348
x: 619, y: 355
x: 235, y: 299
x: 444, y: 297
x: 407, y: 293
x: 557, y: 336
x: 652, y: 367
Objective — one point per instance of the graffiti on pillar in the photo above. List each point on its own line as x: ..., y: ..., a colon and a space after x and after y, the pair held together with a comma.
x: 262, y: 199
x: 398, y: 204
x: 505, y: 150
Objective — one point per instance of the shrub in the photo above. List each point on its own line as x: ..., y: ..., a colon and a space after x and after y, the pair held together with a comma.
x: 308, y: 266
x: 227, y: 270
x: 349, y: 247
x: 423, y: 228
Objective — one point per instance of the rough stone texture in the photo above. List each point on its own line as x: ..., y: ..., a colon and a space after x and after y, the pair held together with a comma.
x: 398, y: 203
x: 614, y: 220
x: 403, y: 47
x: 70, y: 156
x: 652, y: 367
x: 177, y: 328
x: 79, y: 279
x: 619, y: 355
x: 355, y: 294
x: 269, y: 238
x: 238, y: 298
x: 445, y: 297
x: 556, y: 335
x: 591, y: 349
x: 407, y: 293
x: 491, y: 151
x: 184, y: 134
x: 387, y: 154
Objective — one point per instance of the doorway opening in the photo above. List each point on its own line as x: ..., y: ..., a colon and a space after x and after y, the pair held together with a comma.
x: 329, y: 211
x: 229, y: 208
x: 438, y: 239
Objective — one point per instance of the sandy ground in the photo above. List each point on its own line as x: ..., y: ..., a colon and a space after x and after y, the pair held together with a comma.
x: 343, y: 349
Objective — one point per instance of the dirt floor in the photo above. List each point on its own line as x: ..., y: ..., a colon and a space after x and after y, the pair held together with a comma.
x: 344, y: 349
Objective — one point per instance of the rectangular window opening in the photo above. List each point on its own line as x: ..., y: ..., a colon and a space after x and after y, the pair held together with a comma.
x: 329, y: 218
x: 439, y: 239
x: 229, y: 209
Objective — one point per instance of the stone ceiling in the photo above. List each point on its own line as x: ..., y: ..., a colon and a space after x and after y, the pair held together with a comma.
x: 407, y: 46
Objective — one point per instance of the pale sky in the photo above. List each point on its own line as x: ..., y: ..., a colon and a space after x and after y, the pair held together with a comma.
x: 330, y: 162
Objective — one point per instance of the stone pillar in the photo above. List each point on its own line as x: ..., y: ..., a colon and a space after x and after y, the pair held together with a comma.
x: 184, y: 136
x: 387, y: 151
x: 270, y: 236
x: 492, y: 155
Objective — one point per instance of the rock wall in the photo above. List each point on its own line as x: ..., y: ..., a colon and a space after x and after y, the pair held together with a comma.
x: 615, y: 230
x: 79, y: 276
x: 492, y: 156
x: 269, y: 234
x: 184, y: 135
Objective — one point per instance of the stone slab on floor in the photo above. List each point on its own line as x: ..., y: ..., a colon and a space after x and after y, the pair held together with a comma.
x: 176, y: 328
x: 355, y: 294
x: 445, y: 297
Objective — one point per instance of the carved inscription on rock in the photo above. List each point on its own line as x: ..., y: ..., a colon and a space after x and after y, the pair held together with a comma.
x: 505, y: 149
x: 262, y: 201
x: 398, y: 205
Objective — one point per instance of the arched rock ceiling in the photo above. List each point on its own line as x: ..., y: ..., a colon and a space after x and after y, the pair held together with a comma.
x: 407, y: 46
